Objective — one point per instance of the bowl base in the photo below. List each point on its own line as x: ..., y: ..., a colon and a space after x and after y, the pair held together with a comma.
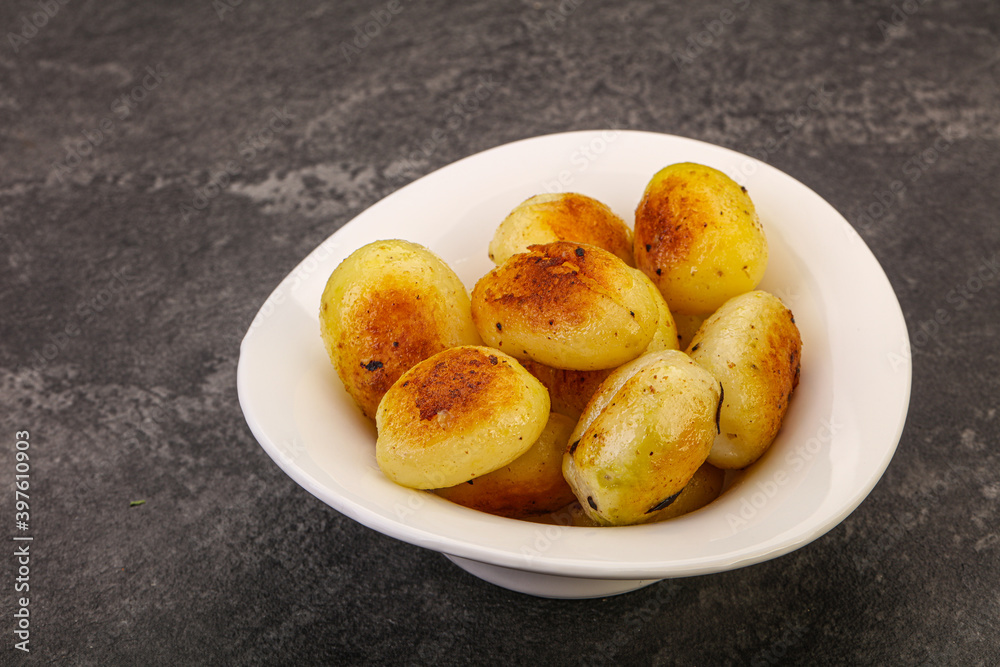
x: 548, y: 585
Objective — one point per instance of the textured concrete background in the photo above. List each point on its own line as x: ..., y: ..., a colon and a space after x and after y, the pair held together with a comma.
x: 133, y: 264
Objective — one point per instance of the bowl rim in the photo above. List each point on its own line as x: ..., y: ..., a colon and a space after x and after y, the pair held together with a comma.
x: 564, y: 556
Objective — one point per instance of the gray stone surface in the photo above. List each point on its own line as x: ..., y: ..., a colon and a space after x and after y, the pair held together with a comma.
x: 131, y: 270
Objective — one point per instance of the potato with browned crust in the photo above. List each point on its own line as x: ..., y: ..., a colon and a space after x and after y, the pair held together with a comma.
x: 571, y: 390
x: 753, y: 347
x: 641, y: 438
x: 704, y: 487
x: 564, y: 216
x: 566, y: 305
x: 456, y: 416
x: 698, y: 237
x: 387, y: 306
x: 530, y: 485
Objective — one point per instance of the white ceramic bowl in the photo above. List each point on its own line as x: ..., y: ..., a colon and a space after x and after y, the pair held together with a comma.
x: 841, y: 430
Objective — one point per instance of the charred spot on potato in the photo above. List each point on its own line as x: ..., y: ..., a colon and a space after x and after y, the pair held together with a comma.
x: 579, y: 252
x: 696, y: 346
x: 659, y: 272
x: 590, y: 501
x: 372, y: 365
x: 572, y: 448
x: 499, y: 327
x: 663, y: 504
x: 648, y: 247
x: 718, y: 408
x: 493, y: 360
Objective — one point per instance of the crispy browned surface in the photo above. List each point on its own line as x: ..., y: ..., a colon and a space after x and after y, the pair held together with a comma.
x: 551, y: 286
x: 456, y: 383
x: 462, y: 389
x: 780, y: 361
x: 516, y: 499
x: 392, y: 330
x: 664, y: 220
x: 580, y: 219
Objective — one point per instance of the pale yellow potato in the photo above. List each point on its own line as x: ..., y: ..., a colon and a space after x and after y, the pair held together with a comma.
x: 641, y: 438
x: 753, y: 347
x: 704, y: 487
x: 564, y: 216
x: 666, y: 336
x: 387, y: 306
x: 698, y: 237
x: 530, y: 485
x: 456, y: 416
x: 566, y: 305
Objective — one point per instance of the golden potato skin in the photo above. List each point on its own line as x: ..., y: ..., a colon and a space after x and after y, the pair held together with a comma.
x: 530, y: 485
x: 704, y: 487
x: 563, y: 216
x: 566, y: 305
x: 571, y: 390
x: 387, y: 306
x: 642, y: 437
x: 753, y: 347
x: 458, y: 415
x: 666, y: 336
x: 698, y: 237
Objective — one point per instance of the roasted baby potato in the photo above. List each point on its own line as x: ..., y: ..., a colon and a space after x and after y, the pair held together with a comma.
x: 571, y: 390
x: 752, y: 346
x: 698, y: 237
x: 387, y: 306
x: 641, y: 438
x: 566, y: 305
x: 458, y: 415
x: 704, y: 487
x: 530, y: 485
x: 564, y: 216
